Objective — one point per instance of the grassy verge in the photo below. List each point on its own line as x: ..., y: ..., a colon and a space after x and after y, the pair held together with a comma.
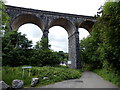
x: 111, y: 76
x: 54, y: 74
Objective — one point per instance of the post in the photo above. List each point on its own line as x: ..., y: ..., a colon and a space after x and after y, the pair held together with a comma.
x: 29, y: 72
x: 74, y: 50
x: 27, y: 67
x: 23, y: 72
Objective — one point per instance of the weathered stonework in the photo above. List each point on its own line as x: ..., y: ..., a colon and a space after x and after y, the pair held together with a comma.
x: 46, y: 19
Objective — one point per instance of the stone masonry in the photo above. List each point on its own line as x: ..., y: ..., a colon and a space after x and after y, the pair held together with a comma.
x: 46, y: 19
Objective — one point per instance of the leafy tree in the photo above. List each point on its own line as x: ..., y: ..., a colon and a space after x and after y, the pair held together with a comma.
x: 17, y: 51
x: 14, y: 39
x: 63, y: 56
x: 42, y: 44
x: 4, y: 21
x: 48, y: 58
x: 102, y: 48
x: 43, y: 55
x: 14, y: 47
x: 44, y: 58
x: 4, y: 18
x: 88, y: 53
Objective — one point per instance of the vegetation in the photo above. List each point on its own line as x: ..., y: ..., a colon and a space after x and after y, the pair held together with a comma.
x: 14, y: 47
x: 42, y: 44
x: 17, y: 51
x: 111, y: 76
x: 4, y: 18
x: 54, y: 74
x: 101, y: 50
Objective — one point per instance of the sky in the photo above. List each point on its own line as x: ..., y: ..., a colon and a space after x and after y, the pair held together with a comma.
x: 58, y: 42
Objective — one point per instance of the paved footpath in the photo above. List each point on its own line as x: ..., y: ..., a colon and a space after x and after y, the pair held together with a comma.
x: 88, y: 80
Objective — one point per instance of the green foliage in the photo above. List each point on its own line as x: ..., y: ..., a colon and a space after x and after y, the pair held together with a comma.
x: 54, y: 74
x: 44, y: 58
x: 42, y: 44
x: 63, y: 56
x: 101, y: 50
x: 111, y: 7
x: 89, y: 56
x: 111, y: 76
x: 15, y: 47
x: 4, y: 18
x: 47, y: 57
x: 109, y: 48
x: 13, y: 39
x: 17, y: 51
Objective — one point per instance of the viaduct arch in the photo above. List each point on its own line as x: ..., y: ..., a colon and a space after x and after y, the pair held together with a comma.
x: 46, y: 19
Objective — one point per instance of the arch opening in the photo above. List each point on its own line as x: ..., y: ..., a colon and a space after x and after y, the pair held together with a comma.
x: 87, y: 25
x: 26, y: 18
x: 58, y: 39
x: 66, y: 24
x: 32, y: 32
x: 83, y: 33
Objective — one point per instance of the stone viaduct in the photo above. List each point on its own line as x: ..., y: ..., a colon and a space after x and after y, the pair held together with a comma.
x: 46, y: 19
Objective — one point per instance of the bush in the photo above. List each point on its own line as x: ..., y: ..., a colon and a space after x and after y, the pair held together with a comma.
x: 102, y: 48
x: 54, y: 74
x: 44, y: 58
x: 17, y: 51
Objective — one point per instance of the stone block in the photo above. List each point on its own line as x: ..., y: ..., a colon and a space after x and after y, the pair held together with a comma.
x: 17, y: 83
x: 34, y: 81
x: 3, y: 85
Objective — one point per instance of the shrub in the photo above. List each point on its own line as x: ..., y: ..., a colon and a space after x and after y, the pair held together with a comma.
x: 54, y: 74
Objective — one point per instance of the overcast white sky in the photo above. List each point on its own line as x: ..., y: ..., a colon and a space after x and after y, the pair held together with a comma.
x: 59, y: 42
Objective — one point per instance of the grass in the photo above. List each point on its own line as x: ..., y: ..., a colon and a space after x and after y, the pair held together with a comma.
x: 54, y: 74
x: 0, y: 73
x: 111, y: 76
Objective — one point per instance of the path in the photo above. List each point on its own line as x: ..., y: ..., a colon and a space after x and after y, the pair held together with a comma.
x: 88, y: 80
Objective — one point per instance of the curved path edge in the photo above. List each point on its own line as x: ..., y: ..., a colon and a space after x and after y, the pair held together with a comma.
x: 88, y: 80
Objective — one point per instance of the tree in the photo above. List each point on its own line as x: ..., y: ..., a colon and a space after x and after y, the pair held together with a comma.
x: 14, y: 39
x: 4, y: 18
x: 17, y: 51
x: 103, y: 46
x: 14, y: 47
x: 89, y: 55
x: 4, y: 21
x: 63, y: 56
x: 43, y: 55
x: 42, y: 44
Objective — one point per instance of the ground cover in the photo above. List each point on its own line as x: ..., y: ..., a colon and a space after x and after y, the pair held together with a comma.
x: 111, y: 76
x: 53, y: 74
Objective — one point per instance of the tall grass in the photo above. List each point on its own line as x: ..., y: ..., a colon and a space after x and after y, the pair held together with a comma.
x: 111, y: 76
x: 54, y: 74
x: 0, y: 73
